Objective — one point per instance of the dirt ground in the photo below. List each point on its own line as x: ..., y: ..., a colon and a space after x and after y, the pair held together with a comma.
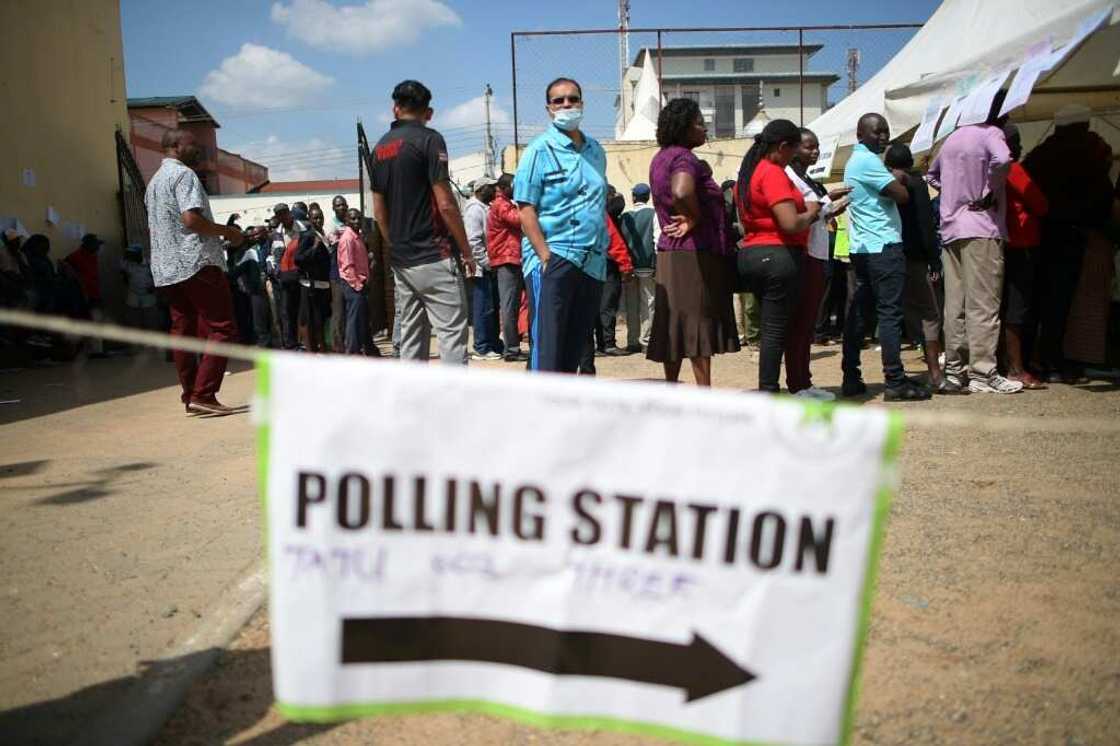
x: 996, y: 615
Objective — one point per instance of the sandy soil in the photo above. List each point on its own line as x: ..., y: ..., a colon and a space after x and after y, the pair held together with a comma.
x: 996, y: 615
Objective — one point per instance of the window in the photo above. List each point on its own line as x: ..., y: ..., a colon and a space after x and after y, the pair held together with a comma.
x: 744, y: 65
x: 709, y: 66
x: 777, y: 92
x: 694, y: 95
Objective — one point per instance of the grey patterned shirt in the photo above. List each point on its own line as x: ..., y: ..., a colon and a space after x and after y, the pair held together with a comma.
x: 177, y: 253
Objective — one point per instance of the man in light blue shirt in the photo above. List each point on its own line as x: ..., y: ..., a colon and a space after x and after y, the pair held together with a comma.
x: 877, y: 260
x: 561, y: 189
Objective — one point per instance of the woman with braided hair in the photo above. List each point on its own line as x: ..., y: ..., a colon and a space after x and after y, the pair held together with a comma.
x: 776, y: 222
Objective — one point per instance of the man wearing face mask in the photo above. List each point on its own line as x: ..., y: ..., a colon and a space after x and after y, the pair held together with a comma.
x: 561, y: 189
x: 189, y: 264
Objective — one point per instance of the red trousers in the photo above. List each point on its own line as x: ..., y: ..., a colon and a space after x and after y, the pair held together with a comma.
x: 799, y: 335
x: 201, y: 306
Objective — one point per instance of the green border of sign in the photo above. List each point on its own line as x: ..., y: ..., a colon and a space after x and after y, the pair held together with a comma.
x: 883, y: 498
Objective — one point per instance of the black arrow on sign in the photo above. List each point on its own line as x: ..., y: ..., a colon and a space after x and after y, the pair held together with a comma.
x: 698, y: 667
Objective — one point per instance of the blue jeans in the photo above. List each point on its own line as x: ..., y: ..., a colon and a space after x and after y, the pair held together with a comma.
x: 880, y: 280
x: 484, y: 313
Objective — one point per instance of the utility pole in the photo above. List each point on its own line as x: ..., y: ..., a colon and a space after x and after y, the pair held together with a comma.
x: 488, y: 145
x: 624, y: 102
x: 853, y: 70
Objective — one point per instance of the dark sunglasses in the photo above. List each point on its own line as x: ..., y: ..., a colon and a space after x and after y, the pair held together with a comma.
x: 564, y: 99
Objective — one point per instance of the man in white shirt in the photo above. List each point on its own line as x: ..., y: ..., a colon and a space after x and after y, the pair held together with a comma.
x: 188, y: 262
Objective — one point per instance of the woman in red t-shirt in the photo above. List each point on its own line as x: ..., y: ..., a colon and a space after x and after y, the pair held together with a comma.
x: 775, y: 222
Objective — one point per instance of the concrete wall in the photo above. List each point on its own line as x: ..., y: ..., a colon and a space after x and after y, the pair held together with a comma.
x: 763, y: 63
x: 64, y: 95
x: 786, y: 105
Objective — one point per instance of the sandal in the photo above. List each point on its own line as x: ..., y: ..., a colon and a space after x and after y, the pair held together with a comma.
x: 1028, y: 381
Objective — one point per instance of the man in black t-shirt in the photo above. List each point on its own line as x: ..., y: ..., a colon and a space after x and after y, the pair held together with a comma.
x: 419, y: 217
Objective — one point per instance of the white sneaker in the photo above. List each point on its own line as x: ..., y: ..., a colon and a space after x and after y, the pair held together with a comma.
x: 816, y: 394
x: 994, y: 384
x: 487, y: 356
x: 960, y: 380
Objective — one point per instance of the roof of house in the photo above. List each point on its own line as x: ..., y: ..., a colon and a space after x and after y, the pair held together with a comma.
x: 338, y: 186
x: 725, y: 50
x: 190, y: 108
x: 732, y: 78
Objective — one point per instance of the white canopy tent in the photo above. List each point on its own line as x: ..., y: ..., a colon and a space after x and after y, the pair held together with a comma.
x: 647, y: 105
x: 965, y: 42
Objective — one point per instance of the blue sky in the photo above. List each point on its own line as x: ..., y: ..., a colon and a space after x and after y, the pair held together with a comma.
x: 288, y: 78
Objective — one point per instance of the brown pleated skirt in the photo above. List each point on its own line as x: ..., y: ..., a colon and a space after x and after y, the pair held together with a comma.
x: 692, y: 314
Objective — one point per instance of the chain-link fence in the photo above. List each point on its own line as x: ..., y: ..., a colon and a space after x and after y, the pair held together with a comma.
x: 741, y: 77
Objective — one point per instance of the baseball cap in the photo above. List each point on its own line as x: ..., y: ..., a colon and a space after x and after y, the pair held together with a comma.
x: 640, y: 190
x: 280, y: 207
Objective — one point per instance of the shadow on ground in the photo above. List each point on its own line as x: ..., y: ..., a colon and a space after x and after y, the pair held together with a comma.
x: 37, y: 391
x: 101, y: 486
x: 133, y: 709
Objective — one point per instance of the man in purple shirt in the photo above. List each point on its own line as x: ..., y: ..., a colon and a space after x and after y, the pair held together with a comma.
x: 971, y: 172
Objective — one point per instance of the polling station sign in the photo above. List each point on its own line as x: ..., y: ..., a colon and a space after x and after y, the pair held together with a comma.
x: 657, y: 559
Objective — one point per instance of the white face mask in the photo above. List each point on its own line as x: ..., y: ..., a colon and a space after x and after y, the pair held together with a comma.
x: 568, y: 120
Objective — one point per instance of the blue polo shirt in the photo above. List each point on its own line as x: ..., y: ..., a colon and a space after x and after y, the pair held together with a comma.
x: 568, y: 186
x: 875, y: 221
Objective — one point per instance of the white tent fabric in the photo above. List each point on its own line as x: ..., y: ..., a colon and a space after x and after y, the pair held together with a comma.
x: 647, y: 105
x: 963, y: 43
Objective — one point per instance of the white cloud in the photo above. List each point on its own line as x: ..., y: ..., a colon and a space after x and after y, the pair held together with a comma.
x: 361, y: 29
x: 302, y: 160
x: 259, y: 77
x: 470, y: 113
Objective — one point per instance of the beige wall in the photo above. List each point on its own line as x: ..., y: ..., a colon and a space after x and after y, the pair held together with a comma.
x: 64, y: 95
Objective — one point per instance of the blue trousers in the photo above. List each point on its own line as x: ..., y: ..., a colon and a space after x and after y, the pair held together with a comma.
x: 484, y: 313
x: 564, y: 305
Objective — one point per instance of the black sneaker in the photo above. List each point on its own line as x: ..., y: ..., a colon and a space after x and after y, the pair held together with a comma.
x: 906, y: 392
x: 853, y: 388
x: 950, y: 387
x: 615, y: 352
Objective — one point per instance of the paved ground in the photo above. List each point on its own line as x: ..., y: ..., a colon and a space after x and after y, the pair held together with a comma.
x: 995, y: 620
x: 124, y: 522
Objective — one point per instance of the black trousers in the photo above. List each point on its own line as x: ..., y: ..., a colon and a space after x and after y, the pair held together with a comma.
x: 608, y: 308
x: 262, y: 319
x: 289, y: 313
x: 773, y: 274
x: 835, y: 300
x: 1063, y: 249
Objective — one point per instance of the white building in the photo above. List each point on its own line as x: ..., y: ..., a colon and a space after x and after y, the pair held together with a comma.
x: 736, y: 85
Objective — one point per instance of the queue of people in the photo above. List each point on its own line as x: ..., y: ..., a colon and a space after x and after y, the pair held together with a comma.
x: 1003, y: 277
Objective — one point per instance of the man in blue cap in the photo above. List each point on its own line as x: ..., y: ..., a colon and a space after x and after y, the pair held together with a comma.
x: 640, y: 229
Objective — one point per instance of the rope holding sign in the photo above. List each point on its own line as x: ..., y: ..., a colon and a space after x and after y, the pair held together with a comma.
x: 915, y: 418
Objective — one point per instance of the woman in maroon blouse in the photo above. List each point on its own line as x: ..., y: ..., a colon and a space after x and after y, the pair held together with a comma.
x: 693, y: 316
